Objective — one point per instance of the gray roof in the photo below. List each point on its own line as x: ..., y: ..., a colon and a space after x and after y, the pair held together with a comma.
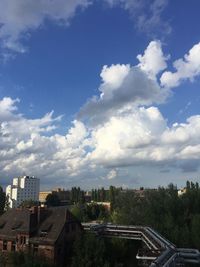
x: 47, y: 231
x: 14, y: 221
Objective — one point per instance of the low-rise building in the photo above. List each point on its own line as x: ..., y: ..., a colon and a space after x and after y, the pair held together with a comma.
x: 63, y: 196
x: 40, y: 231
x: 182, y: 191
x: 43, y: 195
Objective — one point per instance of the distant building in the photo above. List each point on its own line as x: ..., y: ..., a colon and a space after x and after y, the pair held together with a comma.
x: 182, y: 191
x: 63, y: 195
x: 23, y: 188
x: 44, y: 232
x: 43, y: 195
x: 106, y: 205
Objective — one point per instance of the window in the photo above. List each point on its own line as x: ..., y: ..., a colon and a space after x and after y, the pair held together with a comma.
x: 67, y: 228
x: 4, y: 245
x: 35, y: 248
x: 13, y: 247
x: 73, y: 227
x: 2, y: 224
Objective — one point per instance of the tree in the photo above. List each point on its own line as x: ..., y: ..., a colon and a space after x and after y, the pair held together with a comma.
x: 28, y: 203
x: 2, y: 200
x: 195, y: 230
x: 52, y: 200
x: 89, y: 251
x: 7, y: 204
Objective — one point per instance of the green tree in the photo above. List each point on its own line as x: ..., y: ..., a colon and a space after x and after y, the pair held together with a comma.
x: 2, y: 200
x: 195, y: 230
x: 29, y: 203
x: 89, y: 251
x: 52, y: 200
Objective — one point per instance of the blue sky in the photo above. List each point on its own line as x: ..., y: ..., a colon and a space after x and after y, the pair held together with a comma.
x: 125, y: 111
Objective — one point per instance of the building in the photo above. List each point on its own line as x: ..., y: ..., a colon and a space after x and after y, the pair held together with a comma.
x: 23, y: 188
x: 44, y: 232
x: 63, y: 196
x: 43, y: 195
x: 182, y: 191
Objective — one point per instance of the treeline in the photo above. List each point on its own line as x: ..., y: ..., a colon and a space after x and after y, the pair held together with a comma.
x: 90, y: 212
x: 78, y: 196
x: 91, y: 250
x: 103, y: 195
x: 2, y: 200
x: 176, y: 217
x: 20, y: 259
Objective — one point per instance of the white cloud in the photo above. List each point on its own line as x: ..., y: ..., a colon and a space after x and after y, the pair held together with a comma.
x: 129, y: 134
x: 186, y: 68
x: 147, y: 14
x: 123, y: 88
x: 153, y: 61
x: 137, y: 138
x: 112, y: 174
x: 7, y: 106
x: 112, y: 78
x: 17, y: 18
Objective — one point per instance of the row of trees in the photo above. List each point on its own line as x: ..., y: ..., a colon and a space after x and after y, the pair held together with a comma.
x: 90, y: 250
x: 77, y: 196
x: 90, y: 212
x: 20, y: 259
x: 2, y: 200
x: 101, y: 195
x: 176, y: 217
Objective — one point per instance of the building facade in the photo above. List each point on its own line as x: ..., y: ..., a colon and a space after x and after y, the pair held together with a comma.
x: 43, y: 232
x: 23, y: 188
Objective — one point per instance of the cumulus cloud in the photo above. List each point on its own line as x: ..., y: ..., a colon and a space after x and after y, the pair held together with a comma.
x: 128, y: 131
x: 153, y: 61
x: 123, y: 87
x: 147, y: 15
x: 112, y: 174
x: 18, y: 18
x: 186, y: 68
x: 7, y: 106
x: 137, y: 138
x: 143, y: 137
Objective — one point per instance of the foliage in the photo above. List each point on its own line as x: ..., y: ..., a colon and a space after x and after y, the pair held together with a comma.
x: 20, y: 259
x: 91, y: 250
x: 176, y: 217
x: 90, y: 212
x: 52, y: 200
x: 77, y: 195
x: 2, y: 200
x: 29, y: 203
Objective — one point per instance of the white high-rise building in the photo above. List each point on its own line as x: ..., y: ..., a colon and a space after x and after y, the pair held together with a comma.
x: 23, y: 188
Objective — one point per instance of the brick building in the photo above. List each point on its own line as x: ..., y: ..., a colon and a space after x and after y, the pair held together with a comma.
x: 40, y: 231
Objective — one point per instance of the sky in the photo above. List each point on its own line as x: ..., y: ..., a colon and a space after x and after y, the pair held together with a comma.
x: 100, y: 92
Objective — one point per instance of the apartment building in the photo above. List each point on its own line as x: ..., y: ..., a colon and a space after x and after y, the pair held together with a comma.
x: 23, y: 188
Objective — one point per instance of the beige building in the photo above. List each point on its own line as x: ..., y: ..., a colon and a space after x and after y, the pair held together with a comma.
x: 43, y: 195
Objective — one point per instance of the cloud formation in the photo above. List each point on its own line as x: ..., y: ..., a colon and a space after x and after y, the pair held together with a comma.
x: 153, y: 61
x: 186, y: 68
x: 146, y: 14
x: 138, y: 138
x: 131, y: 131
x: 125, y: 87
x: 18, y: 19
